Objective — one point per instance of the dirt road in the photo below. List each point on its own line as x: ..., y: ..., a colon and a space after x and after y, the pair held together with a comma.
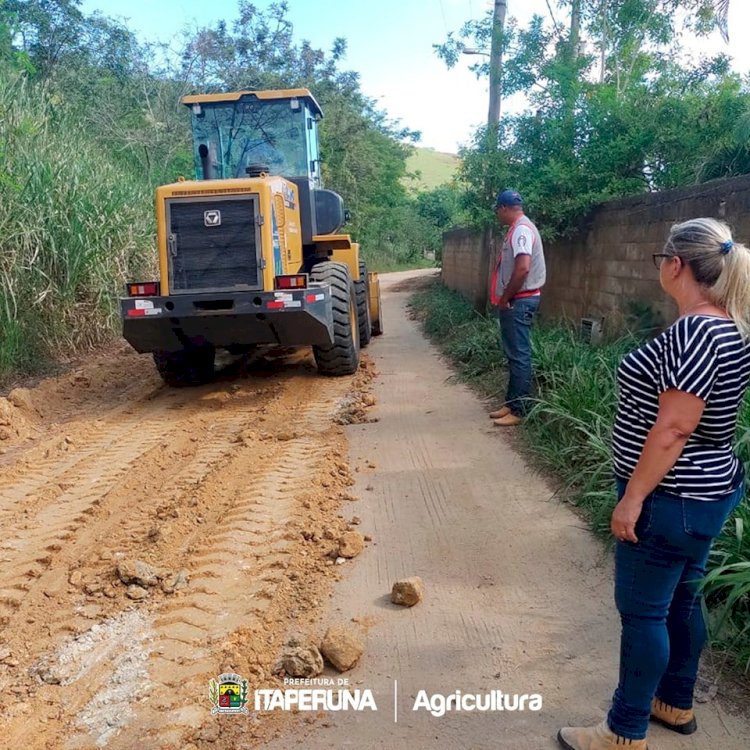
x: 214, y: 488
x: 231, y: 497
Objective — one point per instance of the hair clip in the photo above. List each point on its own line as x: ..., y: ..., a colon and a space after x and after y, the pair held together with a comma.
x: 726, y: 246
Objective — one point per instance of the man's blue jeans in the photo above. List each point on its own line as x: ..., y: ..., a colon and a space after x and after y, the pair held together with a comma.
x: 656, y: 592
x: 515, y: 334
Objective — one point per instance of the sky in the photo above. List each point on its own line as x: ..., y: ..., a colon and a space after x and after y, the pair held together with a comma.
x: 390, y: 46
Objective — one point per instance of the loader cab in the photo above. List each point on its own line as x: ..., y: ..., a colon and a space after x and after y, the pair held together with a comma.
x: 247, y: 133
x: 235, y: 135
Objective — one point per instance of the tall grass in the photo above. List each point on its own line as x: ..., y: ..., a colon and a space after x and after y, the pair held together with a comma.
x: 570, y: 425
x: 569, y: 430
x: 72, y: 226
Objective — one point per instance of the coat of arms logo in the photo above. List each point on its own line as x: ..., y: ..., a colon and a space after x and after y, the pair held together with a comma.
x: 228, y: 694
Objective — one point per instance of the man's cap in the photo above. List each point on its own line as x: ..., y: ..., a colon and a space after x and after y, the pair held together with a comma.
x: 508, y: 198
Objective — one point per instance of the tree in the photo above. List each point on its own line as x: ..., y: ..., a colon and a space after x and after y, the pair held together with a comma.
x: 721, y: 11
x: 47, y: 29
x: 636, y: 116
x: 90, y: 124
x: 364, y: 153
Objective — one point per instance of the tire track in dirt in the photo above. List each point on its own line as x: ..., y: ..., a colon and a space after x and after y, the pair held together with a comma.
x: 184, y: 480
x: 253, y: 531
x: 60, y: 456
x: 29, y: 546
x: 124, y: 527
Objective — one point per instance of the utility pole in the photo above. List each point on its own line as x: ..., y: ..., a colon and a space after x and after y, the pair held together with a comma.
x: 487, y: 256
x: 575, y: 27
x: 496, y: 62
x: 569, y: 83
x: 603, y: 9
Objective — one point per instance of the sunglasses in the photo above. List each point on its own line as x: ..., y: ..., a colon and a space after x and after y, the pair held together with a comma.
x: 658, y: 257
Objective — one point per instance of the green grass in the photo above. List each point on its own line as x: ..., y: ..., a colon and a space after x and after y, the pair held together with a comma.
x: 568, y: 432
x: 72, y: 225
x: 430, y: 169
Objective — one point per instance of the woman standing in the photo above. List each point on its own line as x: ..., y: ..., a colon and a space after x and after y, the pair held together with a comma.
x: 678, y: 480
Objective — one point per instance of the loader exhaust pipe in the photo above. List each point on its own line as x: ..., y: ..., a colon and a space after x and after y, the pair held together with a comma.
x: 208, y: 172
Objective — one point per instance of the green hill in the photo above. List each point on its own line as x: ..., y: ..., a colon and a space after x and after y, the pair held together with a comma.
x: 433, y: 168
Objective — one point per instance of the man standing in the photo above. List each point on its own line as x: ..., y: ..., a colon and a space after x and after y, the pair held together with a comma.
x: 515, y: 291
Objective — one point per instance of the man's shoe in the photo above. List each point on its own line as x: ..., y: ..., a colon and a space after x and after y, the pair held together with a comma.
x: 681, y: 720
x: 600, y: 737
x: 509, y: 420
x: 501, y: 412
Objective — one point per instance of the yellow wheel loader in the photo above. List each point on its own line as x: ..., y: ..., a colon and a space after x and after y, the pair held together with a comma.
x: 250, y: 252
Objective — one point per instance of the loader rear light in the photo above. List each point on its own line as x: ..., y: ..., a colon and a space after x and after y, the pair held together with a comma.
x: 144, y: 289
x: 297, y: 281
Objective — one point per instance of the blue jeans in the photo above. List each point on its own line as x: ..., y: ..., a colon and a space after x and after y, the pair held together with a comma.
x: 656, y: 592
x: 515, y: 334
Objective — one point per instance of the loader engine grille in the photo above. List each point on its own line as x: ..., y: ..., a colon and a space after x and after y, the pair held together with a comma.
x: 213, y: 244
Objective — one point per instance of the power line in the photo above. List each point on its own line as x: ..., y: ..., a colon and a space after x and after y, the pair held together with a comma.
x: 445, y: 20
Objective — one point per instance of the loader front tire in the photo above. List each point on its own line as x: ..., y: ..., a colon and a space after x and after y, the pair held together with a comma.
x: 342, y: 356
x: 187, y: 367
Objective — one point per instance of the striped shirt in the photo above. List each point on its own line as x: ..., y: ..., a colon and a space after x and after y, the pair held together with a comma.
x: 699, y: 354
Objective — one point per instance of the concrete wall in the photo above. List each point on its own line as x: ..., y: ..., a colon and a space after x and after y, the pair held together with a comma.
x: 462, y: 253
x: 606, y: 268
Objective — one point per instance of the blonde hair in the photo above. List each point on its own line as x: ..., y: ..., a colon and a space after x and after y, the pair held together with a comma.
x: 719, y: 264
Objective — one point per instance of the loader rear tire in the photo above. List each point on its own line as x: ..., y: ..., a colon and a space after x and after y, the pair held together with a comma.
x: 363, y: 307
x: 193, y: 366
x: 342, y: 356
x: 377, y: 324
